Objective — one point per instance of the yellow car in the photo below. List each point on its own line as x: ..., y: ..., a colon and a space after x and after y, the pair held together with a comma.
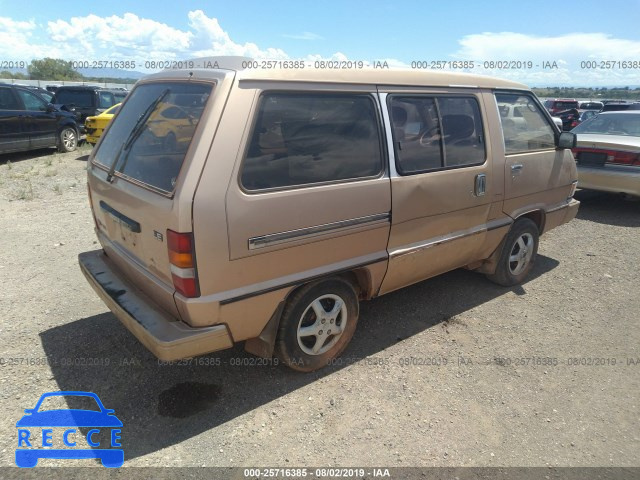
x: 94, y: 126
x: 173, y: 126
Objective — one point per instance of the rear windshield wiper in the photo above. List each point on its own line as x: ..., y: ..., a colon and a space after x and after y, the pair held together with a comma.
x: 135, y: 133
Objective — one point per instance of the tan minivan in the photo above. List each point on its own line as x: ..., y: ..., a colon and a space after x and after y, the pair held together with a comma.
x: 263, y: 205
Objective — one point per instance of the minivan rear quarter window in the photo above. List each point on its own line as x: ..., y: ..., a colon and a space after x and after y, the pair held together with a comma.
x: 302, y: 139
x: 151, y: 134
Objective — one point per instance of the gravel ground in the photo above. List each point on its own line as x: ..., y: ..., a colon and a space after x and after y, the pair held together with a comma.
x: 454, y: 371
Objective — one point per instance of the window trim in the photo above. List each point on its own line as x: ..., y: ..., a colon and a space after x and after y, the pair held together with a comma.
x: 545, y: 113
x: 371, y: 95
x: 443, y: 153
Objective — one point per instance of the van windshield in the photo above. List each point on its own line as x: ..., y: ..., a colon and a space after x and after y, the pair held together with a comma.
x: 150, y: 136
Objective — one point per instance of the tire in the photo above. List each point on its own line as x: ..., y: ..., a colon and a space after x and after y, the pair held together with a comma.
x: 68, y: 140
x: 518, y: 254
x: 327, y: 303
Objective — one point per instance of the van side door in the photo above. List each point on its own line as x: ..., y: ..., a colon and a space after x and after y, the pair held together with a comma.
x: 538, y: 175
x: 443, y: 184
x: 310, y: 194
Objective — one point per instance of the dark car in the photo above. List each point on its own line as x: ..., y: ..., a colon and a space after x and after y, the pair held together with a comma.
x: 85, y: 101
x: 119, y: 93
x: 45, y: 94
x: 557, y: 105
x: 620, y: 106
x: 28, y: 121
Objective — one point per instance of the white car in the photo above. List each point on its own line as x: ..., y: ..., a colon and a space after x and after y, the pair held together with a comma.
x: 608, y: 152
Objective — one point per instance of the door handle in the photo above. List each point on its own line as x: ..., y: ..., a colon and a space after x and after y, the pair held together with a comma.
x: 481, y: 185
x: 516, y: 168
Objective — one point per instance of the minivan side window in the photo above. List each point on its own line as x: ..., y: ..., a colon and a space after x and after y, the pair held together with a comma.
x: 304, y: 138
x: 529, y: 129
x: 436, y: 133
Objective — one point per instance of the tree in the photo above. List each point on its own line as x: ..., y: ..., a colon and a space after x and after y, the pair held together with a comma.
x: 52, y: 69
x: 8, y: 74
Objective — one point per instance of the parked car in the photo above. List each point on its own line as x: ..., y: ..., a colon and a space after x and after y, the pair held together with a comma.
x: 591, y: 105
x: 608, y: 152
x: 45, y: 94
x: 94, y: 126
x: 570, y: 118
x: 296, y: 194
x: 514, y: 113
x: 28, y: 121
x: 86, y: 101
x: 620, y: 106
x: 586, y: 115
x: 119, y: 93
x: 554, y: 106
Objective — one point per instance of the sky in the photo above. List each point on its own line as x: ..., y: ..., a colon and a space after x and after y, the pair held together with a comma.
x: 574, y: 40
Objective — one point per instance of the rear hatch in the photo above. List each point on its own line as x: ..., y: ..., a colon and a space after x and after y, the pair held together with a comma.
x: 143, y: 174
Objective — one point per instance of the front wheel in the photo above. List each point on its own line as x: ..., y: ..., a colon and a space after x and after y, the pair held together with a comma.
x: 317, y: 324
x: 518, y: 254
x: 68, y: 140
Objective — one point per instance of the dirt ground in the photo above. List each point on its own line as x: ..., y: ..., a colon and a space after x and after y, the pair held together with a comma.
x: 454, y: 371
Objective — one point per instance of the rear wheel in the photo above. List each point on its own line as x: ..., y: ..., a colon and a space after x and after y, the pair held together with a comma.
x: 317, y: 324
x: 518, y: 254
x: 68, y: 140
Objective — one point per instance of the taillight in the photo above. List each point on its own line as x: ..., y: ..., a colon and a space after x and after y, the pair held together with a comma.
x: 183, y: 263
x: 613, y: 156
x: 625, y: 158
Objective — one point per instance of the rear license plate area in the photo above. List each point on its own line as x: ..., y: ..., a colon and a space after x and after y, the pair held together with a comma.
x: 592, y: 159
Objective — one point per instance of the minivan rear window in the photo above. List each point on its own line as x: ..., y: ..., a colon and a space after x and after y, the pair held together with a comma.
x: 151, y: 134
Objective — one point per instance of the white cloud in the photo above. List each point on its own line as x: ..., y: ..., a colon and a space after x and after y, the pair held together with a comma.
x: 209, y: 39
x: 126, y: 37
x: 569, y: 51
x: 123, y: 37
x: 130, y: 37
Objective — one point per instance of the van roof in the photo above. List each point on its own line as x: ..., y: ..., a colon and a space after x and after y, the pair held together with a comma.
x: 370, y: 76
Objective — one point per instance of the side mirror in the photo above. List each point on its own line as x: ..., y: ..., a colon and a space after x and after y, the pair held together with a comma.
x: 567, y: 140
x: 50, y: 108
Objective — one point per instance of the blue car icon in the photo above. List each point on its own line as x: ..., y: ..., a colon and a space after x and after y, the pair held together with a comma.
x: 70, y: 418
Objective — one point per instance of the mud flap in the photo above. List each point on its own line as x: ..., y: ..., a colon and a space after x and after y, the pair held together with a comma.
x: 263, y: 345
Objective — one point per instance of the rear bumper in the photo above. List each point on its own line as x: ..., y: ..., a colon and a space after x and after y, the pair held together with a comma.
x: 610, y: 178
x: 165, y: 336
